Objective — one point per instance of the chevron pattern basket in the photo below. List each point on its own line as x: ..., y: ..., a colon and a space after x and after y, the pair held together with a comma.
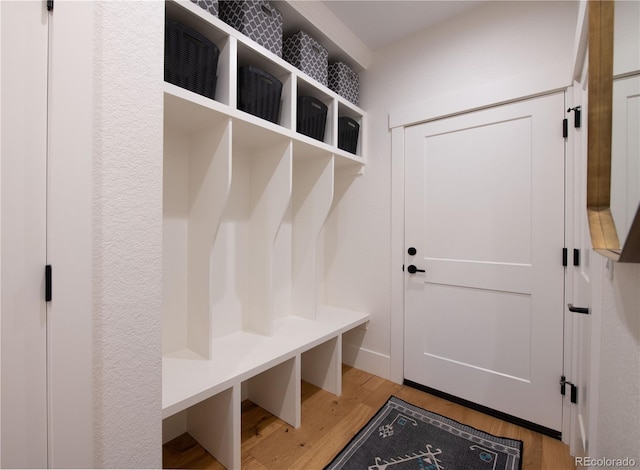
x: 210, y: 5
x: 344, y: 82
x: 308, y: 55
x: 257, y: 19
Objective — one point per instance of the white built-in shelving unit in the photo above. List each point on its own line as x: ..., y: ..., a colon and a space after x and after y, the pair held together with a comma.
x: 245, y: 201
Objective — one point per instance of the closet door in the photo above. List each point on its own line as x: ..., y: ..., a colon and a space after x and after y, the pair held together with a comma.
x: 23, y: 178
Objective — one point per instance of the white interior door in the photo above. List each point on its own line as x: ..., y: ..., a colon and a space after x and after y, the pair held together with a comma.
x: 23, y: 177
x: 484, y: 199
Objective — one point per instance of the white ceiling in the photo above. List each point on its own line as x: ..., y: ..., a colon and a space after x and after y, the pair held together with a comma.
x: 379, y: 23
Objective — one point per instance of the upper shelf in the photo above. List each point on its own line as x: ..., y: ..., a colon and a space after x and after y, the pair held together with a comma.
x: 189, y: 111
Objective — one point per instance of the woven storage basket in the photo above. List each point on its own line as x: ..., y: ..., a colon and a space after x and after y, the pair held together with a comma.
x: 311, y: 117
x: 210, y: 5
x: 348, y: 131
x: 308, y: 55
x: 257, y: 19
x: 190, y: 59
x: 344, y: 82
x: 259, y: 93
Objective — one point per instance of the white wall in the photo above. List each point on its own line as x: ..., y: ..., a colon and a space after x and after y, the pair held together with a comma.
x: 492, y: 43
x: 626, y: 53
x: 127, y: 234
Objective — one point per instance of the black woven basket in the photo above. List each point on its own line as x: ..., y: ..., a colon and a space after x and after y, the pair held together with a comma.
x: 190, y: 59
x: 312, y: 117
x: 348, y: 131
x: 259, y: 93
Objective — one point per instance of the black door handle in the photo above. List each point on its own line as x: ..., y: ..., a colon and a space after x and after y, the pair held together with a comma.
x: 583, y: 310
x: 412, y: 269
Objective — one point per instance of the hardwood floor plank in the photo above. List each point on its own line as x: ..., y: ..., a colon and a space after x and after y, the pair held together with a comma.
x: 257, y: 425
x: 329, y: 422
x: 332, y: 442
x: 185, y: 452
x: 555, y: 455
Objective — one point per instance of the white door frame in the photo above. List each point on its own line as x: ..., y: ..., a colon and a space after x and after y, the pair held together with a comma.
x: 70, y: 356
x: 499, y: 93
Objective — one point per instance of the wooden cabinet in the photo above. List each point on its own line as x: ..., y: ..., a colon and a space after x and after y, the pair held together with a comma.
x: 245, y: 201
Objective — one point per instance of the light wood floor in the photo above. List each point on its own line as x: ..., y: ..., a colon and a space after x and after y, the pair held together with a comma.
x: 329, y: 422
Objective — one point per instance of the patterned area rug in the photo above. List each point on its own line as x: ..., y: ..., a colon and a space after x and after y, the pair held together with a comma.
x: 402, y: 436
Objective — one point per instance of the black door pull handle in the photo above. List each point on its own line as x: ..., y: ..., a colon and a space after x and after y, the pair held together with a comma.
x: 412, y: 269
x: 583, y: 310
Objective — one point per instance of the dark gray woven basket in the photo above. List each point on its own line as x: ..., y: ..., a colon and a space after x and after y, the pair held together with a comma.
x: 190, y: 59
x: 311, y: 117
x: 259, y: 93
x: 348, y: 130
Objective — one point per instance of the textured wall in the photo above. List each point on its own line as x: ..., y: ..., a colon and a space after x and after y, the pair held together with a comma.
x: 127, y: 221
x: 619, y: 381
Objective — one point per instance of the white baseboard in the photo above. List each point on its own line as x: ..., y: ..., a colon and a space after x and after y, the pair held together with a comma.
x: 369, y: 361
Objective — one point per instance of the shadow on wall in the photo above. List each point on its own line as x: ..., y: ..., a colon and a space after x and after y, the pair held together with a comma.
x: 627, y: 297
x: 342, y: 183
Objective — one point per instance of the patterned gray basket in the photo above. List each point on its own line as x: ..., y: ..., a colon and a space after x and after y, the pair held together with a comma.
x: 308, y: 55
x: 257, y: 19
x: 344, y: 82
x: 210, y: 5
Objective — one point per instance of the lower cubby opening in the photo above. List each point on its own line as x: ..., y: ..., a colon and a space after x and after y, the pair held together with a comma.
x: 258, y: 427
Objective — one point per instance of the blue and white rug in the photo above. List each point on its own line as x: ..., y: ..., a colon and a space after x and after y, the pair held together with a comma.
x: 402, y: 436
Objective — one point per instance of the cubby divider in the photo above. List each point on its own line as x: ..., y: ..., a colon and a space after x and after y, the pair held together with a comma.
x: 278, y: 389
x: 227, y: 82
x: 215, y: 422
x: 322, y: 366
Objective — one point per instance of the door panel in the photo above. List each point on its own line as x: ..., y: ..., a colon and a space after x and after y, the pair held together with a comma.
x: 23, y: 134
x: 458, y: 170
x: 484, y: 199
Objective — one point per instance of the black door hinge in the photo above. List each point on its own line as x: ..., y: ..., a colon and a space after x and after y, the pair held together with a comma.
x: 50, y: 5
x: 565, y: 128
x: 48, y: 293
x: 577, y: 116
x: 563, y: 389
x: 565, y: 257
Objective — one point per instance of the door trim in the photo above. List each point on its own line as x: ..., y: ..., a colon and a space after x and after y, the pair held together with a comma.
x: 70, y: 328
